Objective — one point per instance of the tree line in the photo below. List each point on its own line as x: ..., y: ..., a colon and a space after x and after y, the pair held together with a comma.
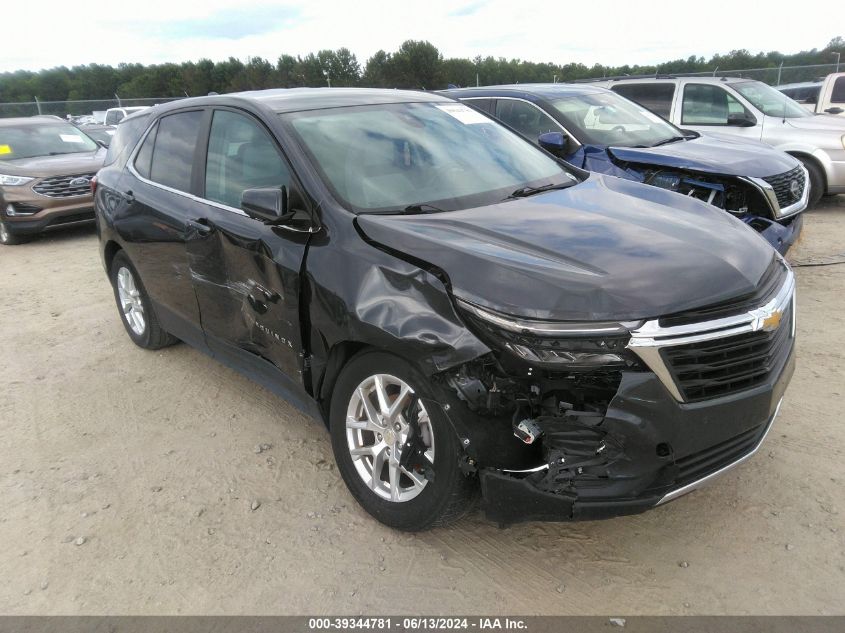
x: 416, y: 64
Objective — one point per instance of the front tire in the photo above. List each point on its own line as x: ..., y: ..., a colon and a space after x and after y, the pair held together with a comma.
x: 135, y: 307
x: 8, y: 238
x: 376, y: 403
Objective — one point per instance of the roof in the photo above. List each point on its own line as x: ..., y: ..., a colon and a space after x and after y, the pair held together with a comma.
x: 541, y: 90
x: 297, y: 99
x: 30, y: 120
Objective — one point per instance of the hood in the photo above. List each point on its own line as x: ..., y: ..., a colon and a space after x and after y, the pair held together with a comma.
x: 63, y: 164
x: 607, y: 249
x: 711, y: 155
x: 819, y: 122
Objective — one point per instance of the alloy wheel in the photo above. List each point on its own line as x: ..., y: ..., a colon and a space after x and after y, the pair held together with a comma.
x: 130, y: 301
x: 377, y: 427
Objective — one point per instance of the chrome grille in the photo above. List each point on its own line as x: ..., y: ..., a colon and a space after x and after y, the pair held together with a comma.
x: 782, y: 185
x: 723, y: 366
x: 724, y: 354
x: 65, y: 186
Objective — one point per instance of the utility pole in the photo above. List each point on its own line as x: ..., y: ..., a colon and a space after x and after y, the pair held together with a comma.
x: 780, y: 68
x: 837, y: 60
x: 38, y: 105
x: 119, y: 104
x: 476, y: 80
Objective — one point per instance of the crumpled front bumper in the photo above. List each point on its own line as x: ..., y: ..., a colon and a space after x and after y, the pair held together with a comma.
x: 780, y: 236
x: 706, y: 438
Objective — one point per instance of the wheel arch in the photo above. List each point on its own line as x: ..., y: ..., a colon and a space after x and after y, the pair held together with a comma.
x: 111, y: 249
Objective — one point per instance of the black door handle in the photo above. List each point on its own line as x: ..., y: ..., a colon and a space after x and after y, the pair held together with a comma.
x: 201, y: 226
x: 834, y: 110
x: 129, y: 196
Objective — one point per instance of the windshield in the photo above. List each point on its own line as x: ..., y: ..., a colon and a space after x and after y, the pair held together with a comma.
x: 43, y: 139
x: 387, y: 157
x: 770, y: 101
x: 608, y: 119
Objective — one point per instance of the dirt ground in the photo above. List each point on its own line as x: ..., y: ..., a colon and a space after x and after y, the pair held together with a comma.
x: 127, y: 480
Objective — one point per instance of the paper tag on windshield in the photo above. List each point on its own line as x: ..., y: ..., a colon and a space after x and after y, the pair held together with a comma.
x: 5, y: 149
x: 464, y: 114
x: 71, y: 138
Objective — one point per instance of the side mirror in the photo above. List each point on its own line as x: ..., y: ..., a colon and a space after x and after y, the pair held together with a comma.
x: 276, y: 206
x: 265, y: 204
x: 741, y: 119
x: 554, y: 142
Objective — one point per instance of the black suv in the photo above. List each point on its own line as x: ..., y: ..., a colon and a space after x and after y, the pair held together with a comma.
x: 459, y: 306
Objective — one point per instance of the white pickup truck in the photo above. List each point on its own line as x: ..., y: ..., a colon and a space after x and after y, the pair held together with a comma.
x: 822, y: 97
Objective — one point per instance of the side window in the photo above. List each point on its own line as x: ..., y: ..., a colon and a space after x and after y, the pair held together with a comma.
x: 145, y: 155
x: 838, y: 95
x: 705, y: 104
x: 114, y: 117
x: 525, y: 118
x: 125, y: 138
x: 656, y: 97
x: 173, y: 152
x: 241, y: 155
x: 485, y: 105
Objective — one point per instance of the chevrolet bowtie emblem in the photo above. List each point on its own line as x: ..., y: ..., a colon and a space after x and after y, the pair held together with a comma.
x: 772, y: 322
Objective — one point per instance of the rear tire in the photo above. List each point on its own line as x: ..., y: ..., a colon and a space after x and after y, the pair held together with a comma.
x: 817, y: 188
x: 8, y: 238
x: 134, y: 306
x: 398, y: 497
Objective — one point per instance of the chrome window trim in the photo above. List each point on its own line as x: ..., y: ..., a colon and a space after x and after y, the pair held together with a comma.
x: 698, y: 483
x: 531, y: 103
x: 769, y: 194
x: 647, y: 340
x: 130, y: 165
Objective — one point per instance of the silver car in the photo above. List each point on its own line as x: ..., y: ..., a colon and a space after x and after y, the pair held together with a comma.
x: 751, y: 110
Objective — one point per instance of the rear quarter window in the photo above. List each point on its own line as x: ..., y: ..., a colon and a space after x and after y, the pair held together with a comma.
x: 655, y: 97
x: 125, y: 138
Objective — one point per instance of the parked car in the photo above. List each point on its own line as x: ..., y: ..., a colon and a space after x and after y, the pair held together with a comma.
x: 101, y: 133
x: 750, y: 110
x: 114, y: 116
x: 458, y: 306
x: 826, y: 96
x: 46, y: 167
x: 599, y: 130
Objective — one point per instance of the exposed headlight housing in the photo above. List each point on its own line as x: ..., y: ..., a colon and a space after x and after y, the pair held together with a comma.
x: 556, y: 344
x: 13, y: 181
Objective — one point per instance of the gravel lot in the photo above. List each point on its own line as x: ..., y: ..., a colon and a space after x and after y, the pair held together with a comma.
x: 128, y: 481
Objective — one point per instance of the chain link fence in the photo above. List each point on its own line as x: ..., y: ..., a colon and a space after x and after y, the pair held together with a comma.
x: 75, y: 108
x: 778, y: 75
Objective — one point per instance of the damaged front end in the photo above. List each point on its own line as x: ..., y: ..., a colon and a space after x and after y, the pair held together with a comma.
x: 566, y: 422
x: 771, y: 206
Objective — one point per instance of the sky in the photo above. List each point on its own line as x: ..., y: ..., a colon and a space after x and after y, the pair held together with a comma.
x: 51, y: 33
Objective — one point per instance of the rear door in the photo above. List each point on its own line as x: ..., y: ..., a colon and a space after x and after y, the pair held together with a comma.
x: 154, y: 219
x: 245, y: 273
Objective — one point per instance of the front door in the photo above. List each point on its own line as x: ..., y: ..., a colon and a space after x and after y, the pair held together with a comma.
x: 246, y: 273
x: 711, y: 108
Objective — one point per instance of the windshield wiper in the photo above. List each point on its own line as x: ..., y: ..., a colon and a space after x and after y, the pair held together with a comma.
x: 666, y: 141
x: 524, y: 192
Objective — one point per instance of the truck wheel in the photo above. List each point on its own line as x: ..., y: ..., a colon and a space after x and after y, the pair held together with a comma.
x: 135, y: 307
x: 8, y: 238
x: 376, y: 405
x: 817, y: 188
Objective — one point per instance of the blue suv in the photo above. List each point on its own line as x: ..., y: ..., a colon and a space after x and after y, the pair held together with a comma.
x: 601, y: 131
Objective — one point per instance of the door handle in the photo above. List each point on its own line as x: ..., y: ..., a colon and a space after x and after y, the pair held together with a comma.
x: 834, y: 110
x: 129, y: 196
x: 201, y: 226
